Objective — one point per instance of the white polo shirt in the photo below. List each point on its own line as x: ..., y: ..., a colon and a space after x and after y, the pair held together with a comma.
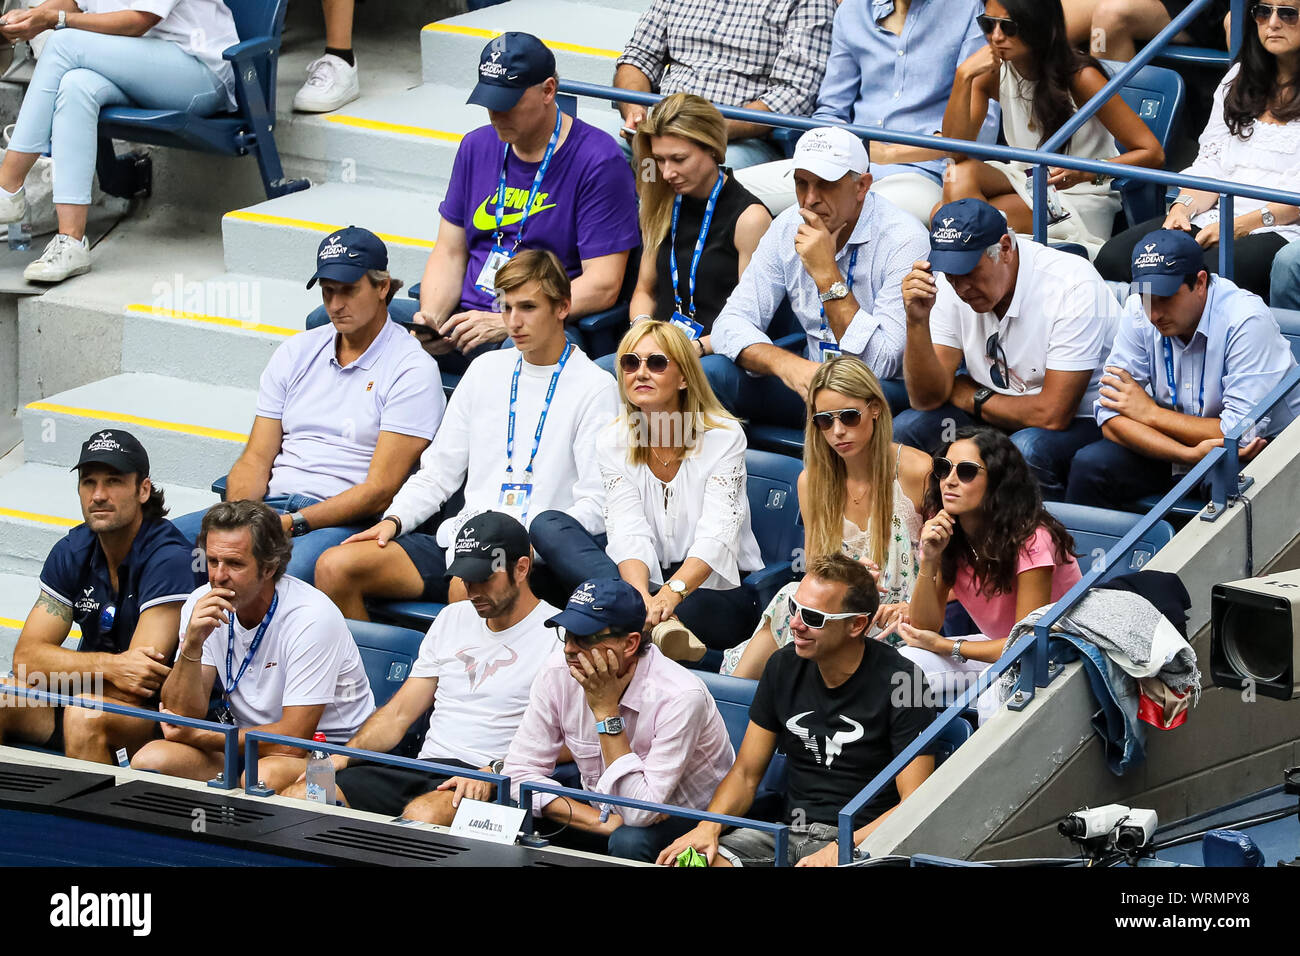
x: 332, y: 415
x: 1062, y: 316
x: 307, y: 656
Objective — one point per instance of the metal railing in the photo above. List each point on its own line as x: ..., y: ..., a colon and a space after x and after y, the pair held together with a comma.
x: 780, y: 831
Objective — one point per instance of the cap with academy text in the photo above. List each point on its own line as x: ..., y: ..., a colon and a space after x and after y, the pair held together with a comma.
x: 347, y: 255
x: 1162, y: 258
x: 603, y: 603
x: 116, y: 448
x: 960, y: 232
x: 487, y: 543
x: 508, y: 65
x: 829, y: 153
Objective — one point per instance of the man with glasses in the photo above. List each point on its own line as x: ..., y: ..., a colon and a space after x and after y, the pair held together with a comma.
x: 1032, y: 325
x: 637, y: 724
x: 840, y: 707
x: 121, y: 578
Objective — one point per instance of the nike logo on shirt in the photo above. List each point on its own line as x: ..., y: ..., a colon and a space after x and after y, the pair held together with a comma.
x: 485, y: 219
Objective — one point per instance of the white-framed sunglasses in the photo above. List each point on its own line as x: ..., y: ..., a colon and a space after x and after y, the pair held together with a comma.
x: 816, y: 619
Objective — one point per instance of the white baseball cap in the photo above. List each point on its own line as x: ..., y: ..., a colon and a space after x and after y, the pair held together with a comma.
x: 829, y: 152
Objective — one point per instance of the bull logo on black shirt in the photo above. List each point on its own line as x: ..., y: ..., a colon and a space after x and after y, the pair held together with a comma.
x: 825, y: 746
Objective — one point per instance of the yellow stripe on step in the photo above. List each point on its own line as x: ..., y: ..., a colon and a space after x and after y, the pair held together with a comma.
x: 553, y: 44
x: 382, y: 127
x: 38, y: 518
x: 246, y: 216
x: 17, y: 625
x: 185, y: 429
x: 140, y: 308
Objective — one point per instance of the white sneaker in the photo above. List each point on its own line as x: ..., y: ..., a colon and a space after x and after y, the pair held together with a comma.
x: 13, y: 208
x: 330, y: 84
x: 63, y: 258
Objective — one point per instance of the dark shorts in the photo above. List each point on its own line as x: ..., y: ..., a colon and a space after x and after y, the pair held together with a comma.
x: 430, y: 559
x: 378, y: 788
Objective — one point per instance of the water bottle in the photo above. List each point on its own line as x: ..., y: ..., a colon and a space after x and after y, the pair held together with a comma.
x: 320, y: 774
x: 20, y: 235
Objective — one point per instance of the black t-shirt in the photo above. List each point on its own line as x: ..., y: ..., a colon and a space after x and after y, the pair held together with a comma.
x: 837, y: 739
x: 719, y: 262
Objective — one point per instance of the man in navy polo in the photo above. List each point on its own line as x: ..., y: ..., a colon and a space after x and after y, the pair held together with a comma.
x: 343, y: 410
x: 121, y: 577
x: 1193, y: 357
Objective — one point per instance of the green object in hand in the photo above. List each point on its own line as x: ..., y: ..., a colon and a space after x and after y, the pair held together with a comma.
x: 691, y: 857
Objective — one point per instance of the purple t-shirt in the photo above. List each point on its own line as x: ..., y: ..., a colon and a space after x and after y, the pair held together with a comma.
x: 585, y: 208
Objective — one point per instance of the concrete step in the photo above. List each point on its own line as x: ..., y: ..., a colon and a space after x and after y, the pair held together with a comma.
x: 279, y: 237
x: 238, y: 319
x: 18, y: 594
x: 39, y: 503
x: 193, y: 431
x: 586, y: 39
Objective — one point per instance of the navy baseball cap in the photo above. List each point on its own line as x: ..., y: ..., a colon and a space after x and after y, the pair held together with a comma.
x: 116, y: 448
x: 487, y: 542
x: 346, y: 255
x: 1162, y: 258
x: 960, y: 232
x: 603, y: 603
x: 508, y: 65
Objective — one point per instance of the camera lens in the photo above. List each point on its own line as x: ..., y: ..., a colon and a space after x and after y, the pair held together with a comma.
x: 1254, y: 643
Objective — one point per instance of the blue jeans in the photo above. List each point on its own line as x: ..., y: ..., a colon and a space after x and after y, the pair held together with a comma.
x: 766, y: 400
x: 1285, y: 282
x: 1106, y: 475
x: 306, y: 549
x: 1047, y: 453
x: 644, y: 844
x: 78, y: 73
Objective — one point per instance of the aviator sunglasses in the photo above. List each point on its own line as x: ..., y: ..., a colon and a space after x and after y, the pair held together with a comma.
x: 1263, y: 12
x: 656, y: 362
x: 851, y: 417
x: 966, y: 470
x: 1009, y: 27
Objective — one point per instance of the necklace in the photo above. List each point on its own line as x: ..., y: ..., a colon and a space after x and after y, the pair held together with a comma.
x: 858, y: 500
x: 663, y: 463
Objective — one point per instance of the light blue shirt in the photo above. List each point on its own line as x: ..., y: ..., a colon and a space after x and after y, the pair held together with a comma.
x: 874, y: 78
x: 1236, y: 355
x: 888, y: 241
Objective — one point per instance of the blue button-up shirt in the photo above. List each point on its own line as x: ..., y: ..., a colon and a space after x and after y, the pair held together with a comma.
x: 887, y: 240
x: 874, y: 78
x: 1235, y: 356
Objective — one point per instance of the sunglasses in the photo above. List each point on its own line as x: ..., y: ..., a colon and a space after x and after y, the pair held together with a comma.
x: 1000, y: 372
x: 816, y: 619
x: 107, y: 616
x: 1009, y: 27
x: 966, y: 470
x: 1263, y: 12
x: 630, y: 362
x: 851, y: 417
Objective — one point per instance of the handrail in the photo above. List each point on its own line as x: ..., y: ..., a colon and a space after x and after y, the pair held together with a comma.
x: 228, y: 779
x: 780, y: 831
x: 1221, y: 465
x: 253, y: 786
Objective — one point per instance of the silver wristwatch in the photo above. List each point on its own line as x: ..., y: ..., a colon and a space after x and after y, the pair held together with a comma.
x: 62, y: 20
x: 1267, y: 218
x: 838, y: 290
x: 956, y: 650
x: 1183, y: 201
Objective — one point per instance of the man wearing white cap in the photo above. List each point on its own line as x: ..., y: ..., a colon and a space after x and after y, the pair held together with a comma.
x: 840, y: 256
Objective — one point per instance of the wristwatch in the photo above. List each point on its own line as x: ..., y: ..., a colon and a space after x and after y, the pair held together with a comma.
x: 956, y: 650
x: 397, y: 523
x: 982, y: 395
x: 299, y: 525
x: 1101, y: 179
x: 62, y: 20
x: 677, y: 587
x: 838, y: 290
x: 610, y: 725
x: 1184, y: 200
x: 1267, y: 218
x: 498, y: 765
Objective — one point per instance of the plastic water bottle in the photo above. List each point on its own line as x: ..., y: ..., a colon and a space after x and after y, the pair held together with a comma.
x: 320, y: 774
x: 20, y: 235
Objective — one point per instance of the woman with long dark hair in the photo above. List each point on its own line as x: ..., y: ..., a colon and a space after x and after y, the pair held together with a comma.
x: 1040, y: 80
x: 1252, y: 138
x: 989, y: 543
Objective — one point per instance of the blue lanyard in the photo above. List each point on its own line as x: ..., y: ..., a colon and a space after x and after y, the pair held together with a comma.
x: 541, y: 421
x: 532, y: 193
x: 232, y: 683
x: 848, y: 281
x: 699, y: 245
x: 1173, y: 386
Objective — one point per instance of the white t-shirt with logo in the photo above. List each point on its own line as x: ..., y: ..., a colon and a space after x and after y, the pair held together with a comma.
x: 306, y: 657
x: 484, y: 678
x: 1062, y: 316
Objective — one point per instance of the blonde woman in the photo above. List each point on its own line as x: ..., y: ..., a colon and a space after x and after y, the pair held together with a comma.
x: 699, y: 226
x: 676, y: 513
x: 860, y: 492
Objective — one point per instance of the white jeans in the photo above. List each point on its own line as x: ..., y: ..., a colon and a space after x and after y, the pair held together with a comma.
x: 773, y: 185
x: 79, y: 72
x: 949, y: 679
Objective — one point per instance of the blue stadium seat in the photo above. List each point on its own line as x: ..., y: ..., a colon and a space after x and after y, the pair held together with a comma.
x: 1156, y: 94
x: 247, y: 130
x: 1288, y: 320
x: 733, y: 695
x: 1096, y: 531
x: 417, y: 614
x: 388, y: 654
x: 775, y: 518
x: 956, y: 733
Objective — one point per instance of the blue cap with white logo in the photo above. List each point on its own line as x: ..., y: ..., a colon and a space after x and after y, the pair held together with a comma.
x: 346, y: 255
x: 960, y: 232
x: 603, y: 603
x: 508, y: 65
x: 1162, y: 258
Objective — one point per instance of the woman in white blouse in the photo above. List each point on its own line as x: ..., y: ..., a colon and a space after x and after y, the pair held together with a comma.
x: 159, y: 54
x: 676, y: 511
x: 1252, y: 138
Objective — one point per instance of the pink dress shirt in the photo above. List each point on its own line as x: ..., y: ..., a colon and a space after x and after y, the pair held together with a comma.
x: 680, y: 748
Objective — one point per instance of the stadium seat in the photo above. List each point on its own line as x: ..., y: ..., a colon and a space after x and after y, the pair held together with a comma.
x: 1096, y: 531
x: 953, y: 735
x: 1288, y: 320
x: 733, y: 695
x: 388, y: 654
x: 411, y: 614
x: 1156, y: 94
x: 249, y: 129
x: 774, y: 516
